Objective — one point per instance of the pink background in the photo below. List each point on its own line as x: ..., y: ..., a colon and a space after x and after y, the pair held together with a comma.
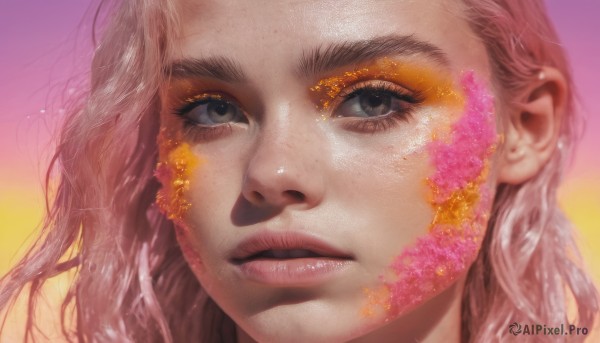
x: 44, y: 44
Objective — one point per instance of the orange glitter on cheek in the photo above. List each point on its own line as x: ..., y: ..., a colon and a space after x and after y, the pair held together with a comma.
x: 461, y: 200
x: 377, y: 301
x: 174, y: 170
x: 458, y: 208
x: 435, y: 87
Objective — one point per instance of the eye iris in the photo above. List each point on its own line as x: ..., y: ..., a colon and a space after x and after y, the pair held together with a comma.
x: 220, y: 111
x: 375, y: 103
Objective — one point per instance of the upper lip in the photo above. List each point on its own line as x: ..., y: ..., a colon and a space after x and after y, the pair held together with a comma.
x: 299, y: 243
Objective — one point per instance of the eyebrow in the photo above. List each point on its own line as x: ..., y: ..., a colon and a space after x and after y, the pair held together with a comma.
x: 221, y: 68
x: 337, y: 55
x: 316, y: 61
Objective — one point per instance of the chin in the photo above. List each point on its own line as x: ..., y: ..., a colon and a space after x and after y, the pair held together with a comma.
x: 329, y: 321
x: 301, y: 323
x: 301, y: 334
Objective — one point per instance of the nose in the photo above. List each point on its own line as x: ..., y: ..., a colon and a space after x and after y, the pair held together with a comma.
x: 285, y: 168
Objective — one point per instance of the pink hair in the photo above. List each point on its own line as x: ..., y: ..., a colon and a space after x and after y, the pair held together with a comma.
x: 529, y: 266
x: 132, y: 282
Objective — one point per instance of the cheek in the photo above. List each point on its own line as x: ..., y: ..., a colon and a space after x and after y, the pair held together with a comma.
x: 174, y: 170
x: 461, y: 201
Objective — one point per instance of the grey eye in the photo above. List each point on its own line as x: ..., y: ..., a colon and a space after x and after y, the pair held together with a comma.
x: 370, y: 103
x: 375, y: 103
x: 214, y: 112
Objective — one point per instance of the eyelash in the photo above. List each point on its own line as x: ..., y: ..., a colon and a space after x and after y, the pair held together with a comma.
x: 381, y: 123
x: 197, y: 132
x: 384, y: 122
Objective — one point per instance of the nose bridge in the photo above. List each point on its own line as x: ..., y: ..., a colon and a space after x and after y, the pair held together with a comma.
x: 284, y: 165
x: 287, y: 137
x: 276, y: 124
x: 285, y: 131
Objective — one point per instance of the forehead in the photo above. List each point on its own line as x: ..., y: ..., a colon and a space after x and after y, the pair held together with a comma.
x: 262, y: 33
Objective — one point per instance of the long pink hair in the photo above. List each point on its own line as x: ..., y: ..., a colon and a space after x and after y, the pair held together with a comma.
x: 132, y: 282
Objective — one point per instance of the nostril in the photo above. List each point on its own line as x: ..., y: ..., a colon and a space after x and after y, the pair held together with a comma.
x: 299, y: 196
x: 259, y: 197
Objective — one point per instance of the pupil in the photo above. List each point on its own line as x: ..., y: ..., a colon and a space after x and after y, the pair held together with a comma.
x: 374, y: 100
x: 221, y: 109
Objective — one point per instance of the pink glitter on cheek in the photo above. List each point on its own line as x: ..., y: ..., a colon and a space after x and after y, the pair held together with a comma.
x: 460, y: 199
x: 462, y: 161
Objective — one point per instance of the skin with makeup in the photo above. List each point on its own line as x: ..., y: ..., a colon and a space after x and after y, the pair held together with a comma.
x: 334, y: 182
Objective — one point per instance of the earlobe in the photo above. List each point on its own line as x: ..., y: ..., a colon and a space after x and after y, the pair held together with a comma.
x: 533, y: 129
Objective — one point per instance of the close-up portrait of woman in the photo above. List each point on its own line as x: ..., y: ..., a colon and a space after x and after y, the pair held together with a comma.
x: 314, y: 171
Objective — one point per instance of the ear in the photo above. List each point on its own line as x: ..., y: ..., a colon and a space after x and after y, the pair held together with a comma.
x: 532, y: 132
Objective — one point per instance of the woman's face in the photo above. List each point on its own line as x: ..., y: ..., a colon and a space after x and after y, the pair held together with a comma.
x: 329, y: 164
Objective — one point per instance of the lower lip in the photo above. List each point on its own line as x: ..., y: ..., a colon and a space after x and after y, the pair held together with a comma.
x: 293, y: 272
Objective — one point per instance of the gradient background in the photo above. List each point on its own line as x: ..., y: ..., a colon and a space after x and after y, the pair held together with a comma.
x: 45, y: 47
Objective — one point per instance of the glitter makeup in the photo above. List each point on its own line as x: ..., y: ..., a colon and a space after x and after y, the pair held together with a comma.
x: 435, y: 87
x: 460, y: 199
x: 173, y: 171
x: 192, y: 101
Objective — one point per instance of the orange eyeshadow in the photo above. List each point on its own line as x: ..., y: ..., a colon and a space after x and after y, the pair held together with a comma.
x: 202, y: 96
x: 435, y: 86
